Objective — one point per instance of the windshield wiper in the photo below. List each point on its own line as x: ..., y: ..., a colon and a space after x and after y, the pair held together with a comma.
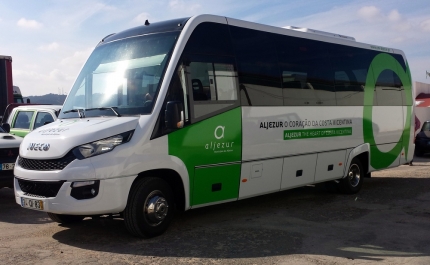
x: 106, y: 108
x: 80, y: 112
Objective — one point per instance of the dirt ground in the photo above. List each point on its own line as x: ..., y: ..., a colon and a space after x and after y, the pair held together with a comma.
x: 388, y: 221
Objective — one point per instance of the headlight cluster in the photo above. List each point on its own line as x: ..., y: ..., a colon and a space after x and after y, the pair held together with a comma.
x: 101, y: 146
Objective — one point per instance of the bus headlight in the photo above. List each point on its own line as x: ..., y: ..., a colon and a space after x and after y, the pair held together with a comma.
x: 101, y: 146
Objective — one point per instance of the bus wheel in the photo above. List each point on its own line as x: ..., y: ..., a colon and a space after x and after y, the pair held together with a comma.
x: 354, y: 180
x: 149, y: 208
x: 65, y: 218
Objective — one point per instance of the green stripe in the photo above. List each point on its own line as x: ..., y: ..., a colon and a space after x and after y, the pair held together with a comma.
x: 381, y: 62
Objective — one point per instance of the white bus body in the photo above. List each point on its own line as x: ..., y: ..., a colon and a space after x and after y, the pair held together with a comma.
x: 204, y: 110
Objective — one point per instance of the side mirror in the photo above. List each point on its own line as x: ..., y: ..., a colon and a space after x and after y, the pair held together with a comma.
x: 6, y: 127
x: 174, y: 117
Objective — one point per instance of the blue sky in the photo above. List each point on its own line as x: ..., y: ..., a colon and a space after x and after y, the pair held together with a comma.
x: 50, y: 40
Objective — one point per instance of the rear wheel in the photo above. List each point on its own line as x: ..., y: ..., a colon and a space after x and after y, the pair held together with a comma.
x: 149, y: 208
x: 65, y: 218
x: 354, y: 180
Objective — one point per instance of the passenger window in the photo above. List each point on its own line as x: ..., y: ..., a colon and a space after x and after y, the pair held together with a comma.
x: 307, y: 73
x: 23, y: 120
x: 210, y: 38
x: 259, y: 73
x: 397, y: 80
x: 212, y: 82
x: 387, y: 92
x: 350, y: 73
x: 42, y: 118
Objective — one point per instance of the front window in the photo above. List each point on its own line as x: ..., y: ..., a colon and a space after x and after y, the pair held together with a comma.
x: 122, y: 77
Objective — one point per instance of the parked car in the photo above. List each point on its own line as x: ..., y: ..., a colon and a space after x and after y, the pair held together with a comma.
x: 422, y: 140
x: 25, y: 118
x: 9, y: 150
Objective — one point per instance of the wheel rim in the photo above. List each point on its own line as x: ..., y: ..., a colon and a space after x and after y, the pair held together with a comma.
x: 155, y: 208
x: 354, y: 175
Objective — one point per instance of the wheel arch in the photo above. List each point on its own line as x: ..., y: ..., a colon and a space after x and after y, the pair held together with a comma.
x: 173, y: 178
x: 362, y: 152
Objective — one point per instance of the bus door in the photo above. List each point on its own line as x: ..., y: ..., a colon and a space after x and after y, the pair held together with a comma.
x: 211, y: 143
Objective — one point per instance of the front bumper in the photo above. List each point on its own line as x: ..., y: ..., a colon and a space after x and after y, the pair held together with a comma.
x: 111, y: 198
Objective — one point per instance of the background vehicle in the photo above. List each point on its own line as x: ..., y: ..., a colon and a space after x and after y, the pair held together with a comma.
x: 17, y: 96
x: 9, y: 150
x: 23, y: 119
x: 422, y: 140
x: 6, y: 91
x: 237, y: 110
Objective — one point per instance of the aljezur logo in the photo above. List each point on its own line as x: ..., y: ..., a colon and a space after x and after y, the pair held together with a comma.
x: 220, y: 146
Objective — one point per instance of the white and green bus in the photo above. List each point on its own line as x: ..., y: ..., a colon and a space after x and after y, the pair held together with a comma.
x: 199, y: 111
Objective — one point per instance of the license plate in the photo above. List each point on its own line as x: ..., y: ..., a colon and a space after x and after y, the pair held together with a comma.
x: 32, y: 204
x: 7, y: 166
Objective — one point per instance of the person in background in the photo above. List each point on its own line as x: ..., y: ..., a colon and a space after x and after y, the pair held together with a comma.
x: 417, y: 127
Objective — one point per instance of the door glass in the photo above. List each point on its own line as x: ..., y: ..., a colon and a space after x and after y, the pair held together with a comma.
x: 42, y: 118
x: 23, y: 120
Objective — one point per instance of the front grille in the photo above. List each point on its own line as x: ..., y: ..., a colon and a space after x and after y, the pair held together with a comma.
x: 9, y: 153
x: 33, y: 195
x: 40, y: 188
x: 47, y: 164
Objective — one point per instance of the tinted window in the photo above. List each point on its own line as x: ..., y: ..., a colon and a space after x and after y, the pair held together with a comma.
x: 23, y: 120
x: 259, y: 74
x: 387, y: 92
x: 399, y: 83
x: 210, y: 38
x: 307, y: 73
x: 350, y: 71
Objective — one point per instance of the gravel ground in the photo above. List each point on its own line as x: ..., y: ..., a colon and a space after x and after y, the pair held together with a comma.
x: 388, y: 221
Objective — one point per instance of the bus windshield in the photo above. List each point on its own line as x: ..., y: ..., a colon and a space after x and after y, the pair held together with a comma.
x: 123, y: 75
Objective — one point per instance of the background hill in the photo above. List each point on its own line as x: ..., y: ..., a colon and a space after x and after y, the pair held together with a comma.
x: 54, y: 99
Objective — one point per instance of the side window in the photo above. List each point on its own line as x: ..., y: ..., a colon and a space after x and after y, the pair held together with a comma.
x: 23, y: 120
x: 307, y: 73
x: 177, y: 92
x: 259, y: 74
x: 350, y: 72
x: 212, y: 84
x: 397, y: 80
x: 42, y: 118
x: 387, y: 89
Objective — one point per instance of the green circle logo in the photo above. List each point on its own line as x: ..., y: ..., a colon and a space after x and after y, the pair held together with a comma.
x: 381, y: 62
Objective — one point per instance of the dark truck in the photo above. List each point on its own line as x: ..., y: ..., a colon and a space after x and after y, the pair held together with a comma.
x: 6, y: 84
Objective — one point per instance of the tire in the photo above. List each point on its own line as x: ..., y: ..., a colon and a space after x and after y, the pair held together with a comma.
x: 65, y: 218
x: 142, y: 221
x: 354, y: 180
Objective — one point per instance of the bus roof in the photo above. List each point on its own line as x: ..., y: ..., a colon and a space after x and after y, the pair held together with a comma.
x: 180, y: 24
x: 162, y: 26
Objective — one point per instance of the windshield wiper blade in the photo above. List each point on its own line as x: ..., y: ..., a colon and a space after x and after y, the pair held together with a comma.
x: 79, y: 111
x: 106, y: 108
